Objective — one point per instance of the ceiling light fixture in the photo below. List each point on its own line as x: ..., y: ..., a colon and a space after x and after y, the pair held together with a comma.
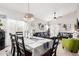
x: 28, y: 16
x: 54, y: 15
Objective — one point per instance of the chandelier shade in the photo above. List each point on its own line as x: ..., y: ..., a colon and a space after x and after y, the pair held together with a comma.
x: 28, y: 15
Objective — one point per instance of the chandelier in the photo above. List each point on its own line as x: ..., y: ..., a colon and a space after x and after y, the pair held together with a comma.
x: 28, y: 16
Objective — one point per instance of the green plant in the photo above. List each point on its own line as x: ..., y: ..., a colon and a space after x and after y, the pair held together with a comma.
x: 1, y: 23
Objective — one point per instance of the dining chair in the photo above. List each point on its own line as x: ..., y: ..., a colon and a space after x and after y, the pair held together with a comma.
x: 21, y: 45
x: 19, y: 33
x: 55, y: 45
x: 13, y: 44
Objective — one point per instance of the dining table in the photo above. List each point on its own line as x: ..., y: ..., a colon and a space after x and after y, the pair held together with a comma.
x: 37, y: 46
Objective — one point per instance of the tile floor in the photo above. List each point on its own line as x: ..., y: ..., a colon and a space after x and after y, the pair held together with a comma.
x: 4, y: 51
x: 60, y: 51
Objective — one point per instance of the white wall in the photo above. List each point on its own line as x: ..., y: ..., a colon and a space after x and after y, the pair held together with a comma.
x: 68, y: 19
x: 11, y: 13
x: 11, y: 27
x: 35, y: 25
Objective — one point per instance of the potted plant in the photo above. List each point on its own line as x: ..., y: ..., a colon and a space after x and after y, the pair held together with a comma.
x: 1, y: 23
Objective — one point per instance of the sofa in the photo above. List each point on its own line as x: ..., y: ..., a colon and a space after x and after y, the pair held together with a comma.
x: 42, y: 34
x: 70, y: 44
x: 65, y: 35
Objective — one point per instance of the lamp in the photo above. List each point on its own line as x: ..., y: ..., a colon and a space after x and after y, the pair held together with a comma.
x: 28, y: 16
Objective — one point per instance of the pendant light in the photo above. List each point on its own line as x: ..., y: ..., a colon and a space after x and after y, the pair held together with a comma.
x: 54, y: 15
x: 28, y: 16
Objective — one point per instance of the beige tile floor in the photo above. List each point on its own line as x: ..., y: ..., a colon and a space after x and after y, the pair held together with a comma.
x: 60, y: 51
x: 4, y: 51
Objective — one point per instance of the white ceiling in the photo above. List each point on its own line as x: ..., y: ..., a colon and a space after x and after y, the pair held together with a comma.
x: 41, y: 10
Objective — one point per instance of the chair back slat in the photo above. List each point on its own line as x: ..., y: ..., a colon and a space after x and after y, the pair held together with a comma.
x: 21, y: 45
x: 55, y: 45
x: 13, y: 44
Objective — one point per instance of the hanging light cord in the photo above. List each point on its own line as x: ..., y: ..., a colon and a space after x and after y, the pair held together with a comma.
x: 28, y: 15
x: 28, y: 7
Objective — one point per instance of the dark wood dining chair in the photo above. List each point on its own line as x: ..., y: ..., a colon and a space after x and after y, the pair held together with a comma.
x: 21, y: 45
x: 19, y: 33
x: 13, y: 44
x: 55, y: 45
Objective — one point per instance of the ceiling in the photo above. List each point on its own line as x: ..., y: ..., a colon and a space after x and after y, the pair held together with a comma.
x: 41, y: 10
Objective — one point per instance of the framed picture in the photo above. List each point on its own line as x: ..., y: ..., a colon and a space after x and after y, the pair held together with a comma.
x: 41, y: 26
x: 65, y: 26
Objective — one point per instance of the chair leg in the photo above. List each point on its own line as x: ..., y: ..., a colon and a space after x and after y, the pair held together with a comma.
x: 51, y: 52
x: 63, y: 47
x: 18, y: 53
x: 55, y: 54
x: 13, y: 52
